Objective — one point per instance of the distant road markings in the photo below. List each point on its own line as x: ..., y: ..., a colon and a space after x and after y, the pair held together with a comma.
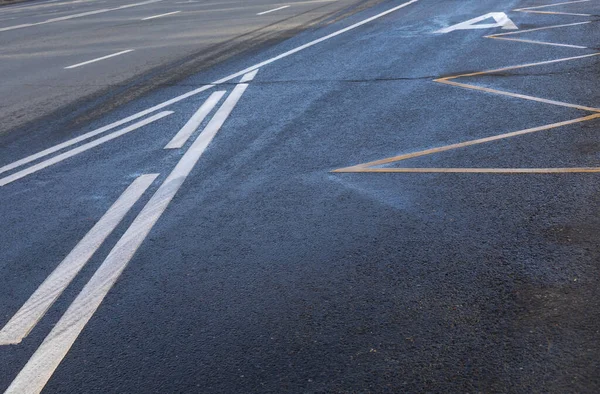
x: 502, y: 20
x: 273, y: 10
x: 64, y: 18
x: 201, y: 89
x: 186, y: 131
x: 161, y: 15
x: 42, y: 299
x: 534, y: 10
x: 502, y: 36
x: 40, y: 367
x: 63, y: 156
x: 98, y: 59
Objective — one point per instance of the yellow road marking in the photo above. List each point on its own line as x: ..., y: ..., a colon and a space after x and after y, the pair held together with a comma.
x: 365, y: 166
x: 372, y: 167
x: 554, y: 13
x: 537, y: 29
x: 538, y: 42
x: 551, y: 5
x: 473, y: 170
x: 497, y: 70
x: 499, y: 35
x: 520, y: 96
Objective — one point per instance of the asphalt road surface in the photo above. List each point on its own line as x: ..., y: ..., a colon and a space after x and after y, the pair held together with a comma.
x: 335, y: 197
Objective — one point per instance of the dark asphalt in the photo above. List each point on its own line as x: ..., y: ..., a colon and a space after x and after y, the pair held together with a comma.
x: 268, y: 273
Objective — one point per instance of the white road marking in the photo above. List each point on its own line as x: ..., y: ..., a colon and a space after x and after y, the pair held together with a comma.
x: 42, y: 299
x: 540, y: 42
x: 98, y: 59
x: 186, y: 131
x: 74, y: 16
x: 539, y: 28
x: 40, y: 367
x: 273, y: 10
x: 161, y: 15
x: 63, y: 156
x: 502, y: 20
x: 203, y: 88
x: 552, y: 5
x: 249, y: 77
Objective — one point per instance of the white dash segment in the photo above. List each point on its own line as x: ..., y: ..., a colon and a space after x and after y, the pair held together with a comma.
x: 80, y: 149
x: 93, y: 133
x: 98, y: 59
x: 249, y: 77
x: 161, y: 15
x: 40, y: 367
x: 205, y: 87
x: 195, y: 121
x: 273, y: 10
x: 21, y: 324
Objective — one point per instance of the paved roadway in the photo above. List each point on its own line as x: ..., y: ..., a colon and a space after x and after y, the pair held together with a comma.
x: 382, y: 203
x: 38, y: 41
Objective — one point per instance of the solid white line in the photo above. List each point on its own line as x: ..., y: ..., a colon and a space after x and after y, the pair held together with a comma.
x: 42, y: 299
x: 205, y: 87
x: 161, y: 15
x: 81, y: 138
x: 64, y: 18
x: 63, y: 156
x: 273, y: 10
x: 98, y: 59
x: 186, y: 131
x: 40, y: 367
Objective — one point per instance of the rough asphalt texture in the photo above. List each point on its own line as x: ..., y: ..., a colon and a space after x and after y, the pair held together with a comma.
x: 270, y: 274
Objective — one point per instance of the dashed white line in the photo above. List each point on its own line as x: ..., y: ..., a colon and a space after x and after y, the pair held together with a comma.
x: 161, y: 15
x: 64, y: 18
x: 202, y: 88
x: 98, y: 59
x: 63, y: 156
x: 40, y: 367
x: 273, y: 10
x: 42, y: 299
x: 186, y: 131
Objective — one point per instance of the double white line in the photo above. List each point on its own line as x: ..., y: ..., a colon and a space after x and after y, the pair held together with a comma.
x: 40, y: 367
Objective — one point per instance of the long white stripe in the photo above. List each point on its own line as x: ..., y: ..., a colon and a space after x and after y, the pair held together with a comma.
x: 64, y: 18
x: 98, y: 59
x: 273, y: 10
x: 206, y: 87
x: 80, y: 149
x: 186, y: 131
x: 551, y: 5
x: 42, y: 299
x: 40, y: 367
x: 161, y: 15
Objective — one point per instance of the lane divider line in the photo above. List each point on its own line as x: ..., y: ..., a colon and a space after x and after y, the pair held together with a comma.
x: 273, y: 10
x: 98, y: 59
x: 77, y: 140
x: 195, y: 121
x: 40, y: 367
x: 161, y: 15
x: 80, y: 149
x: 74, y: 16
x: 21, y: 324
x: 218, y: 82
